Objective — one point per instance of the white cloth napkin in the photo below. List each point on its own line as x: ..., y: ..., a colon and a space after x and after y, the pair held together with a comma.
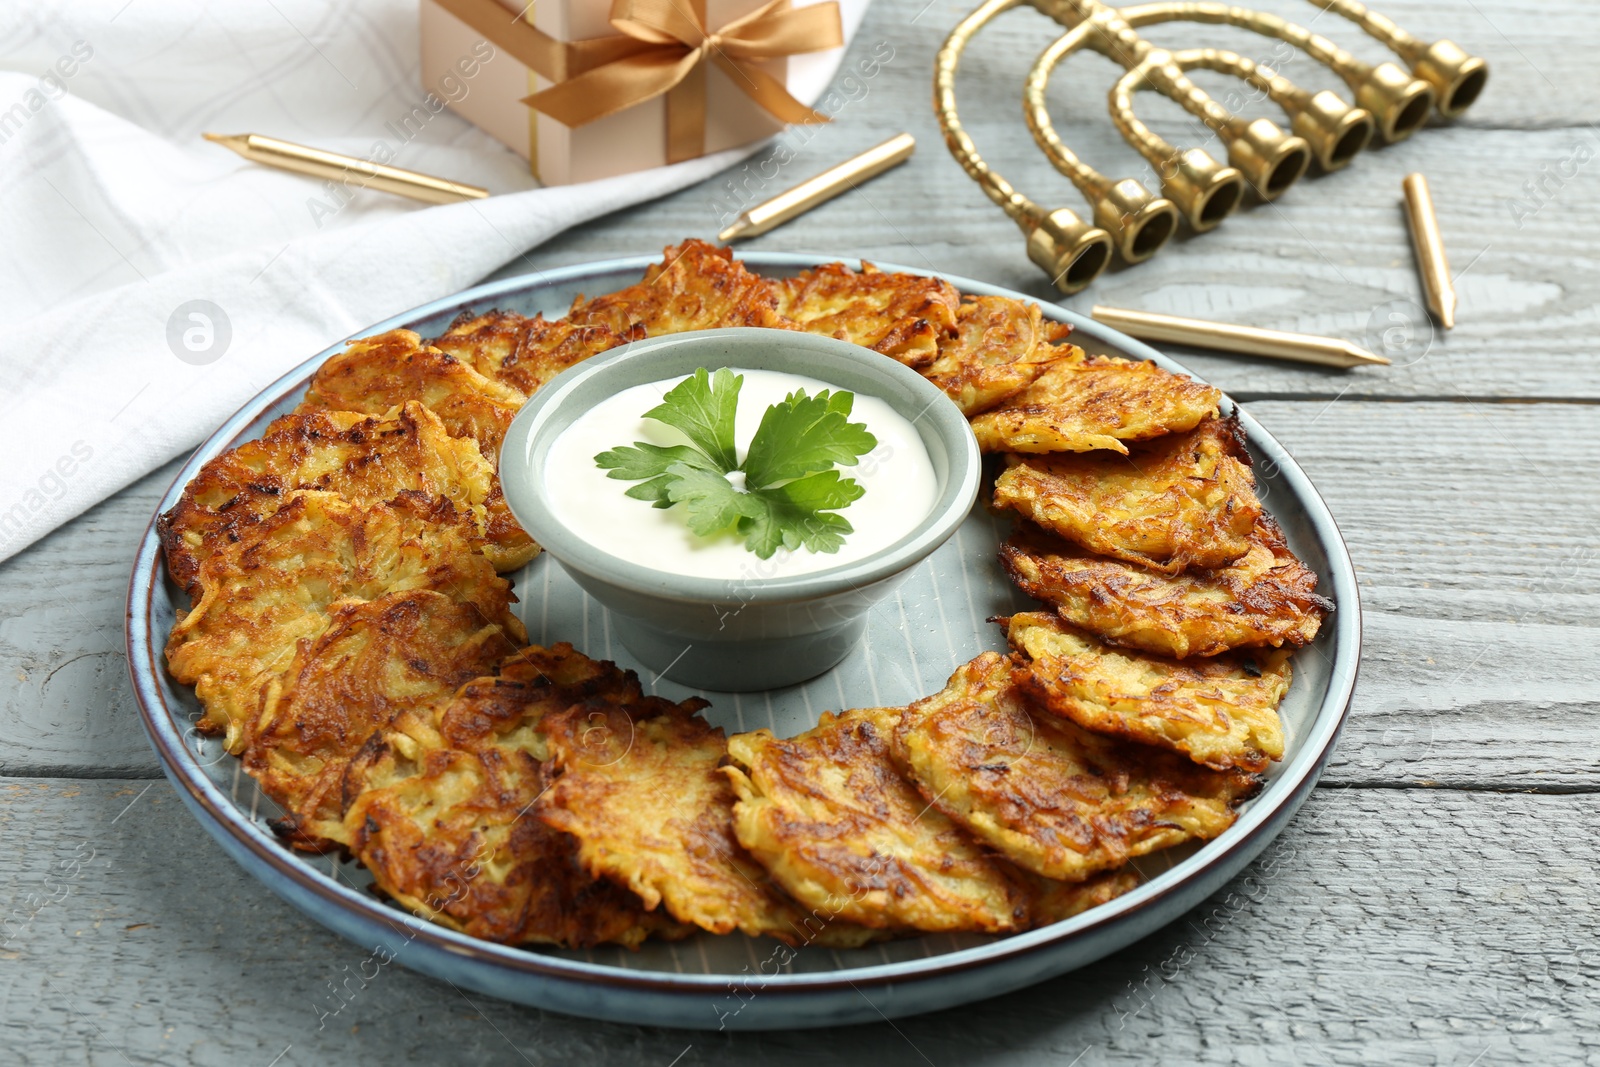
x: 131, y: 249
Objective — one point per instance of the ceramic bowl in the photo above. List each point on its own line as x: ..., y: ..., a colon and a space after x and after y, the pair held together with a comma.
x: 746, y: 631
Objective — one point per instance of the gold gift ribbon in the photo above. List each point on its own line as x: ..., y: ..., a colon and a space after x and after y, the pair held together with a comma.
x: 661, y: 50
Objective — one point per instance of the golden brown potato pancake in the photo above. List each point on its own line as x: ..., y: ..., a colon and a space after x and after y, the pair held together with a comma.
x: 1052, y: 901
x: 445, y: 819
x: 904, y: 316
x: 696, y: 286
x: 1052, y: 797
x: 365, y: 459
x: 998, y: 348
x: 1220, y: 711
x: 262, y: 596
x: 838, y: 827
x: 1096, y: 402
x: 520, y: 352
x: 376, y: 374
x: 639, y: 787
x: 383, y: 663
x: 1266, y: 597
x: 1183, y: 500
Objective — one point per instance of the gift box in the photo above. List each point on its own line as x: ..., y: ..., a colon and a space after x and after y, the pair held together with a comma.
x: 587, y: 89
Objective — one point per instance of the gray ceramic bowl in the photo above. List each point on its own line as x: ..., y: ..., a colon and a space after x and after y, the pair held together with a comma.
x: 743, y: 632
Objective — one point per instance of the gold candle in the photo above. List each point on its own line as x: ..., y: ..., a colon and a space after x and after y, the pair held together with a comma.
x: 1431, y: 262
x: 1248, y: 340
x: 361, y: 173
x: 825, y: 186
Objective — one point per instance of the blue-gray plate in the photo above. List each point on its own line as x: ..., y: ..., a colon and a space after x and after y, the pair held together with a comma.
x: 914, y: 641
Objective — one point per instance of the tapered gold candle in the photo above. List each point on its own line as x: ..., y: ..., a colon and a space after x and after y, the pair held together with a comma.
x: 1431, y: 261
x: 1247, y: 340
x: 825, y: 186
x: 361, y: 173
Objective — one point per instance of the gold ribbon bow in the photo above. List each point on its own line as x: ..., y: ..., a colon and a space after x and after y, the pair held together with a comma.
x: 667, y: 51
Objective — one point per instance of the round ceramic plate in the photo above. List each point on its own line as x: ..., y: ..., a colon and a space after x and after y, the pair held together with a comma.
x: 914, y: 641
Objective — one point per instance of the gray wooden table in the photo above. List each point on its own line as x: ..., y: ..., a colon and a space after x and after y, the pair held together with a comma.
x: 1434, y: 902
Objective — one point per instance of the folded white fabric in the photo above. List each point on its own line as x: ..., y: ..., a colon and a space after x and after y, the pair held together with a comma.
x: 151, y: 283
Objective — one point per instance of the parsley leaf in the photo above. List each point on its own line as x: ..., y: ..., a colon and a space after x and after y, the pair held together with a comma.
x: 804, y: 435
x: 791, y: 489
x: 799, y: 514
x: 711, y: 503
x: 643, y: 460
x: 702, y: 407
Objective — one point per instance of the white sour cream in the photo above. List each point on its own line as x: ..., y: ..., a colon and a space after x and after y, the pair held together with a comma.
x: 897, y: 477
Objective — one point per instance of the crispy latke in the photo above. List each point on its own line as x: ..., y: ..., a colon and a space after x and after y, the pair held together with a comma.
x: 1220, y: 711
x: 444, y: 819
x: 1051, y: 901
x: 998, y: 348
x: 262, y: 596
x: 1177, y: 501
x: 394, y: 658
x: 837, y: 826
x: 1095, y: 402
x: 1264, y: 598
x: 378, y: 373
x: 365, y: 459
x: 696, y: 286
x: 640, y: 789
x: 1052, y: 797
x: 903, y: 316
x: 520, y: 352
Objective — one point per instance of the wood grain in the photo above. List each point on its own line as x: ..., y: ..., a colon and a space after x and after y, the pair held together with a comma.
x: 1411, y: 927
x: 1434, y: 901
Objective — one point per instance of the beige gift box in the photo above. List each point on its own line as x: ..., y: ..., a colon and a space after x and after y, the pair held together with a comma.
x: 473, y: 70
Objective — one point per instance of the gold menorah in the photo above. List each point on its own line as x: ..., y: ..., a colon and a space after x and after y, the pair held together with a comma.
x: 1127, y: 219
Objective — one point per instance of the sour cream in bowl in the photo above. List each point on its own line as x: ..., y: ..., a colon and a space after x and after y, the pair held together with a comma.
x: 739, y: 498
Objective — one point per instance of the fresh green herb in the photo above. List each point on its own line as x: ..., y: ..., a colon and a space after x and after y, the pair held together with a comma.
x: 791, y: 491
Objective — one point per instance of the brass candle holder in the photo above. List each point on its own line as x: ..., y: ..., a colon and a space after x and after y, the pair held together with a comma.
x: 1389, y: 101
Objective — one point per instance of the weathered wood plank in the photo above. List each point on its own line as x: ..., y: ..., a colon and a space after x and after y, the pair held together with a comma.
x: 66, y: 703
x: 1474, y: 549
x: 1408, y: 927
x: 1417, y: 926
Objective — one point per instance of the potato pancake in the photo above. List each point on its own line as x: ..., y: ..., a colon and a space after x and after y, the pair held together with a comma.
x: 520, y: 352
x: 998, y: 348
x: 365, y: 459
x: 639, y: 787
x: 837, y: 826
x: 1266, y: 597
x: 1052, y: 901
x: 1183, y: 500
x: 1220, y: 711
x: 379, y: 373
x: 393, y: 659
x: 903, y: 316
x: 445, y: 821
x: 696, y: 286
x: 535, y: 682
x: 1096, y: 402
x: 1052, y: 797
x: 262, y: 596
x: 452, y: 838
